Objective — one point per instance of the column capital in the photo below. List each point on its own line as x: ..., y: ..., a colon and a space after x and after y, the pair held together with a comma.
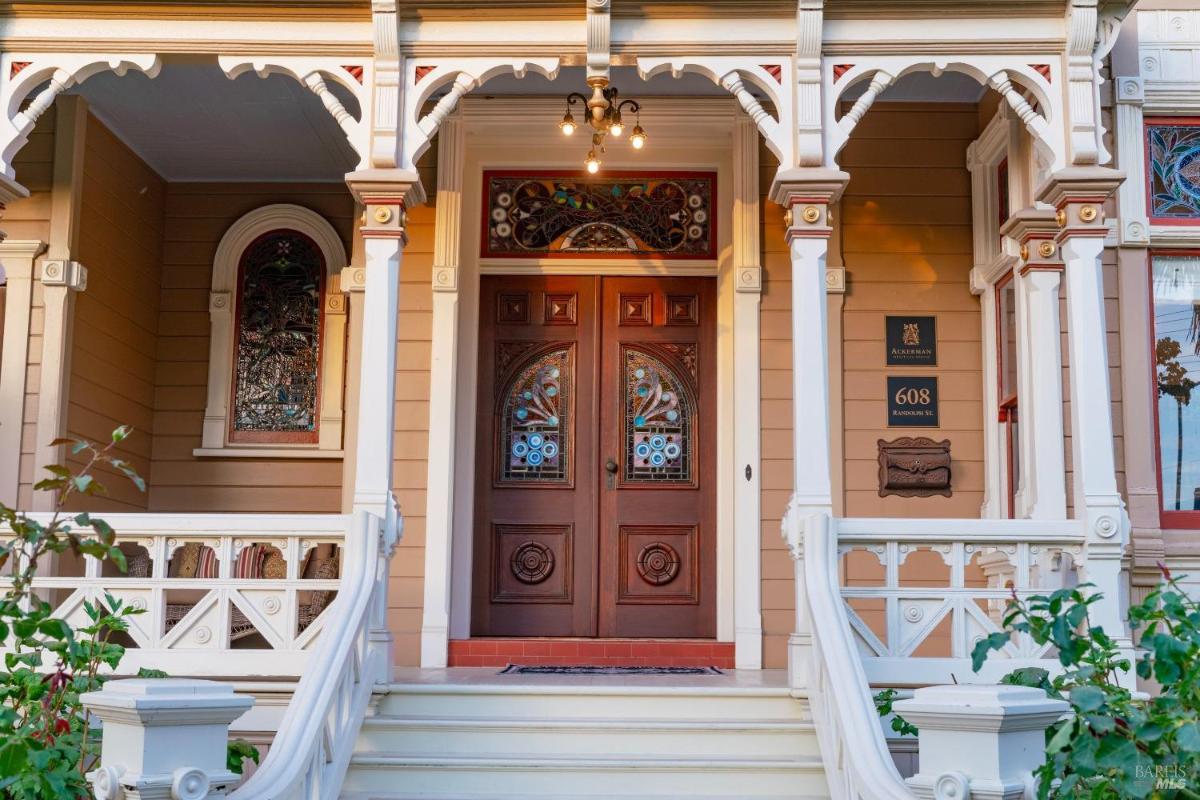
x: 808, y: 185
x: 386, y: 195
x: 1078, y: 195
x: 1034, y: 230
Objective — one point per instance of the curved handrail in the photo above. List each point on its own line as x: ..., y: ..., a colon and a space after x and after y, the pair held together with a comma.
x: 854, y: 751
x: 311, y: 752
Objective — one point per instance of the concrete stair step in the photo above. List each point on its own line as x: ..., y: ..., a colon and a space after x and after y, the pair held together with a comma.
x: 528, y: 775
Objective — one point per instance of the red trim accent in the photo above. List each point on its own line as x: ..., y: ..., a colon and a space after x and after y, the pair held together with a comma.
x: 546, y: 173
x: 1007, y: 403
x: 1043, y: 70
x: 775, y: 71
x: 500, y: 652
x: 355, y: 70
x: 270, y: 437
x: 1147, y: 124
x: 839, y: 70
x: 1166, y: 518
x: 16, y: 67
x: 420, y: 71
x: 1025, y: 270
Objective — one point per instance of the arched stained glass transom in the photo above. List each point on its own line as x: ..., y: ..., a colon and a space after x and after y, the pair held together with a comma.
x: 658, y: 421
x: 535, y: 419
x: 276, y: 380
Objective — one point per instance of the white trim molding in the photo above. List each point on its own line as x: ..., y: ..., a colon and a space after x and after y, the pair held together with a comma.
x: 16, y: 259
x: 221, y: 306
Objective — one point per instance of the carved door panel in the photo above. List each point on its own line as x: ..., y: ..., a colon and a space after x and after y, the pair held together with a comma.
x: 657, y: 417
x: 536, y: 472
x: 595, y: 469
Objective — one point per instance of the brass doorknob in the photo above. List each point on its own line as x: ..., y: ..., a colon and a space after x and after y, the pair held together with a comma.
x: 611, y: 466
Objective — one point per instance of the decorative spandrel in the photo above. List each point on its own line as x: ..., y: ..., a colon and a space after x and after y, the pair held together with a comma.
x: 1174, y: 176
x: 535, y: 438
x: 545, y: 214
x: 658, y: 421
x: 278, y: 338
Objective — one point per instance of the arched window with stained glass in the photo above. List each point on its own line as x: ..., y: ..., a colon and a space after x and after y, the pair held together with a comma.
x: 659, y: 418
x: 277, y: 346
x: 536, y: 418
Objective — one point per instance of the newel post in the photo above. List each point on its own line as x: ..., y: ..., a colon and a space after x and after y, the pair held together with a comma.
x: 807, y: 195
x: 979, y: 741
x: 164, y: 738
x: 385, y: 194
x: 1078, y: 195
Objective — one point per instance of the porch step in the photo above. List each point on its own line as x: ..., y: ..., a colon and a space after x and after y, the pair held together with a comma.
x: 464, y: 734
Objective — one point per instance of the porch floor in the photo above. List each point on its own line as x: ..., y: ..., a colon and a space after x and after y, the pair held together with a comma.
x: 473, y: 679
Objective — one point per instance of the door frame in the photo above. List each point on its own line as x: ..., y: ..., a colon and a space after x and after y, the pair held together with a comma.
x: 698, y: 134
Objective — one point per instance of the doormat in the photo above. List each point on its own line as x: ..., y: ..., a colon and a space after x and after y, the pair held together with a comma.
x: 517, y: 669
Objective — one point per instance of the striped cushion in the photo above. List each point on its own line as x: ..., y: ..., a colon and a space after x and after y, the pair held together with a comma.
x: 250, y: 562
x: 208, y: 566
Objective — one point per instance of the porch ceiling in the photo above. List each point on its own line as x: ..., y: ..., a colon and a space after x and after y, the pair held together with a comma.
x: 192, y: 123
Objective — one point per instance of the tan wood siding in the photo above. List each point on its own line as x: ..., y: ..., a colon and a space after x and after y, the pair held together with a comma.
x: 196, y: 217
x: 116, y: 319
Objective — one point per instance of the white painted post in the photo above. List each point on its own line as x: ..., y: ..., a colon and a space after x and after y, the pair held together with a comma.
x: 979, y: 741
x: 384, y: 194
x: 164, y: 738
x: 443, y: 382
x: 747, y: 481
x: 1039, y: 275
x: 1078, y: 195
x: 807, y: 195
x: 16, y: 260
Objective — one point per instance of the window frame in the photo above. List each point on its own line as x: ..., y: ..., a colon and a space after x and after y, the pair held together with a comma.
x: 1167, y: 519
x: 234, y: 436
x: 216, y: 438
x: 1008, y: 406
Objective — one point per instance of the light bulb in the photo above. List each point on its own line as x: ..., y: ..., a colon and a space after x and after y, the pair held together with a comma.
x: 638, y: 138
x: 592, y: 163
x: 568, y: 124
x: 617, y: 127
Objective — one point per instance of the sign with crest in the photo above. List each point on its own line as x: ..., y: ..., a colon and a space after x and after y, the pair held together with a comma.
x: 911, y: 341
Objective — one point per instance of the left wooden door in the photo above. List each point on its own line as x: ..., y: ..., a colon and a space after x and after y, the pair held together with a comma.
x: 536, y: 471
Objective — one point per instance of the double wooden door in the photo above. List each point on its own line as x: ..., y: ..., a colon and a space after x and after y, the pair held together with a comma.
x: 595, y: 454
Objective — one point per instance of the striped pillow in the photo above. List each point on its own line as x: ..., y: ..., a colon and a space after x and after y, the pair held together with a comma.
x: 208, y: 566
x: 250, y: 562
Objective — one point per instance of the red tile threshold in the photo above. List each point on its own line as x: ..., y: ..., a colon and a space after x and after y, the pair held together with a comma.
x: 500, y: 652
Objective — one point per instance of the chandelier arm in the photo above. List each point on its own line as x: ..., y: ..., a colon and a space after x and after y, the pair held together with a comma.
x: 632, y: 105
x: 576, y: 96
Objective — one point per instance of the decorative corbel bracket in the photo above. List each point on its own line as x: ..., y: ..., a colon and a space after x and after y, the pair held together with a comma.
x: 314, y: 74
x: 599, y: 38
x: 49, y: 75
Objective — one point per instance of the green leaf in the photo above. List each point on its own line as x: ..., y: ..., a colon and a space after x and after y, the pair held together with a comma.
x: 994, y: 641
x: 1087, y: 698
x: 1061, y: 737
x: 1187, y: 737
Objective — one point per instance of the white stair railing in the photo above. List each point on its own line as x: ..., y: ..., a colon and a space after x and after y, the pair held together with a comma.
x: 857, y: 761
x: 310, y: 754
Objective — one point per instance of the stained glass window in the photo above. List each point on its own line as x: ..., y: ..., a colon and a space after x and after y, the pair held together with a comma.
x: 551, y: 214
x: 278, y: 339
x: 658, y: 421
x: 1174, y: 179
x: 534, y: 437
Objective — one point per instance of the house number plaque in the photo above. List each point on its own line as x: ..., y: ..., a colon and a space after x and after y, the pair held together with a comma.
x: 911, y: 341
x: 912, y: 402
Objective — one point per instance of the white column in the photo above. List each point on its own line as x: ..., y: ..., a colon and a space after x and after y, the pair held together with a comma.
x: 60, y: 279
x: 1041, y: 401
x: 807, y: 194
x: 1078, y: 195
x: 1038, y: 280
x: 443, y: 383
x: 384, y: 194
x: 993, y: 506
x: 16, y: 258
x: 747, y: 480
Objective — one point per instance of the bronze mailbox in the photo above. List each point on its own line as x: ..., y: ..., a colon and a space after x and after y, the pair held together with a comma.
x: 914, y: 467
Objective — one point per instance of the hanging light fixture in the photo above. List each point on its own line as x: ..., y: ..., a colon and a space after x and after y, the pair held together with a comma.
x: 605, y: 116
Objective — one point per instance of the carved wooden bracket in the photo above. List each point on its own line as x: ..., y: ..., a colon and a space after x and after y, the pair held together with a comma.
x: 914, y: 467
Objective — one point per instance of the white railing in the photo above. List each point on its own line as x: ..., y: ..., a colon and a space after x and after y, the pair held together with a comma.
x: 854, y: 751
x: 919, y: 594
x: 310, y: 754
x: 264, y: 624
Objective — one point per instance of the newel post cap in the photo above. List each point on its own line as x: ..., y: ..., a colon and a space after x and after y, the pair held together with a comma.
x: 164, y: 738
x: 978, y: 741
